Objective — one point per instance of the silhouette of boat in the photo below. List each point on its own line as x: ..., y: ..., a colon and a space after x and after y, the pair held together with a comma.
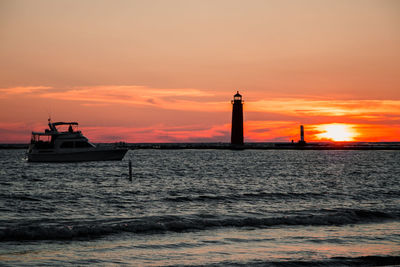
x: 54, y: 145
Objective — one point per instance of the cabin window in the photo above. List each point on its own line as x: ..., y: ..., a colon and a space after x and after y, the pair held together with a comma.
x: 82, y: 144
x: 44, y: 145
x: 68, y: 144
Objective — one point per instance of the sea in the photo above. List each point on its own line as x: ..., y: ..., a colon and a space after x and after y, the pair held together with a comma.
x: 189, y: 207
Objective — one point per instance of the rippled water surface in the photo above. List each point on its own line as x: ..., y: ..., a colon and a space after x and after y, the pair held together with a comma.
x: 203, y: 207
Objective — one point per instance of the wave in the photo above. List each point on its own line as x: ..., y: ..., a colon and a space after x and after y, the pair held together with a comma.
x: 336, y: 261
x: 259, y: 195
x: 70, y: 229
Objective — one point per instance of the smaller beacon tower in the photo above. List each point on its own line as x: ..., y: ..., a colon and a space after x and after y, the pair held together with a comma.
x: 302, y: 141
x: 237, y: 120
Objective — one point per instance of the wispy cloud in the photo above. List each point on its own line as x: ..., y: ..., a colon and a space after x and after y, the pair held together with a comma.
x: 160, y: 133
x: 357, y: 111
x: 174, y: 99
x: 261, y: 131
x: 325, y: 107
x: 24, y: 90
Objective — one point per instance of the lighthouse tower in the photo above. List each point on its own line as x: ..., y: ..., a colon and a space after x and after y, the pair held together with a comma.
x: 302, y: 133
x: 237, y: 120
x: 302, y: 141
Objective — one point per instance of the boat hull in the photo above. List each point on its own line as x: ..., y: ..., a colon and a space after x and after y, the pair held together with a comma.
x: 78, y: 156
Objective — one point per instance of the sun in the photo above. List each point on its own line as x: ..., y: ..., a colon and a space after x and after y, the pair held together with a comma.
x: 336, y: 132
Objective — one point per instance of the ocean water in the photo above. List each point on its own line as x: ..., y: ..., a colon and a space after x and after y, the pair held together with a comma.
x: 203, y: 208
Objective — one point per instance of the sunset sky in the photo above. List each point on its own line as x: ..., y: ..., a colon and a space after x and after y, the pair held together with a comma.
x: 165, y: 71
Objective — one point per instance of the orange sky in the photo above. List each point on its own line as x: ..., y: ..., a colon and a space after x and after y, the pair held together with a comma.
x: 165, y: 71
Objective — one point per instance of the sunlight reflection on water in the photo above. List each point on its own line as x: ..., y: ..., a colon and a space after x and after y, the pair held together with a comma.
x: 216, y: 246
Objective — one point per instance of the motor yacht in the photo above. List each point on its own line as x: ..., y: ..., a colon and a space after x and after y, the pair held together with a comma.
x: 68, y: 145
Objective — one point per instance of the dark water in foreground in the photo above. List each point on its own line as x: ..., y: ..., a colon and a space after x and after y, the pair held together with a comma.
x: 203, y: 207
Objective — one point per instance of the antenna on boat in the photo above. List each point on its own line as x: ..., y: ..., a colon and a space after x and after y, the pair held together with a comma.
x: 52, y: 128
x: 49, y: 122
x: 49, y: 110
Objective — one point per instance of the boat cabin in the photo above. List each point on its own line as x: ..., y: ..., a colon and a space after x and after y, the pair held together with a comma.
x: 60, y: 135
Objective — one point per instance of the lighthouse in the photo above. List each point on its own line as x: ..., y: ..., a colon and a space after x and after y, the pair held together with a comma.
x: 302, y: 142
x: 237, y: 120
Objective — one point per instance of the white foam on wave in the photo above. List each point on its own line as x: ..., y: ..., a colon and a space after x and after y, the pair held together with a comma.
x: 155, y: 224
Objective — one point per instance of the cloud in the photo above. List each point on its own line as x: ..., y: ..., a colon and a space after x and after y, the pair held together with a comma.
x: 325, y: 107
x: 355, y: 110
x: 159, y: 133
x: 95, y: 104
x: 24, y: 90
x: 263, y: 131
x: 173, y: 99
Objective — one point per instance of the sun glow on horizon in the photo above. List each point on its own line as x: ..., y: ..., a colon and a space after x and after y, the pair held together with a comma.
x: 336, y: 132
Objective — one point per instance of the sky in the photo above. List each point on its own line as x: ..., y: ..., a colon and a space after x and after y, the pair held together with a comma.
x: 166, y: 71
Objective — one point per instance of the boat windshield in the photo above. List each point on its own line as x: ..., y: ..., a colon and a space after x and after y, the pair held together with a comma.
x: 66, y: 127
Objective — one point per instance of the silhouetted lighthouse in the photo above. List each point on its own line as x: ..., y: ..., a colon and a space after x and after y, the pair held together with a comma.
x: 302, y: 141
x: 237, y: 120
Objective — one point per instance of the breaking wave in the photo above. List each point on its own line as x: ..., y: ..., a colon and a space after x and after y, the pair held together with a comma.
x: 67, y: 229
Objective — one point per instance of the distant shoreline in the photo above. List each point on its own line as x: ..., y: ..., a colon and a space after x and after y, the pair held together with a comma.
x: 264, y: 146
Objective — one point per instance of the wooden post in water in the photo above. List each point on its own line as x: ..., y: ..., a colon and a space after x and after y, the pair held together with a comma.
x: 130, y: 170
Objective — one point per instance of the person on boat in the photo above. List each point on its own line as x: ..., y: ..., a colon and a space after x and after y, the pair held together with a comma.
x: 70, y: 129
